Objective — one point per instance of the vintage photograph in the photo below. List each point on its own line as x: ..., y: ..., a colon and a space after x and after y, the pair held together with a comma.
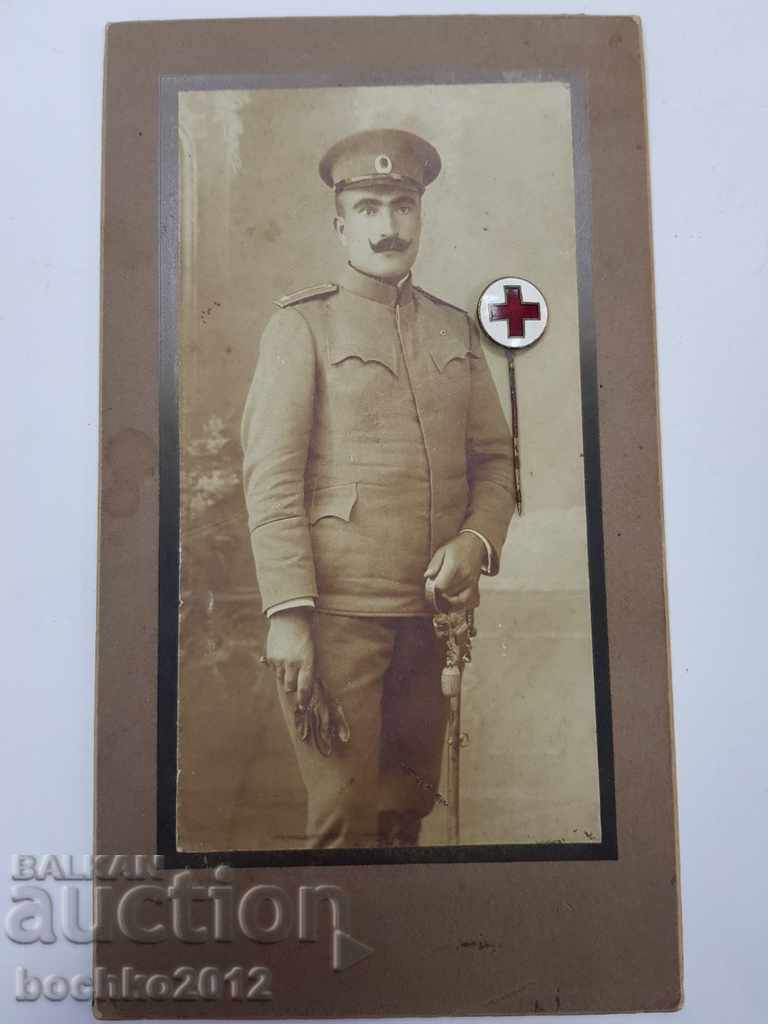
x: 391, y: 628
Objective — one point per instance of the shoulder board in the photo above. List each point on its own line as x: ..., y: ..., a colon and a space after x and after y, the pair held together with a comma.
x: 316, y: 291
x: 440, y: 302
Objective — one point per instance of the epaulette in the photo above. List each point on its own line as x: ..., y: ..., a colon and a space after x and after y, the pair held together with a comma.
x: 316, y: 291
x: 440, y: 302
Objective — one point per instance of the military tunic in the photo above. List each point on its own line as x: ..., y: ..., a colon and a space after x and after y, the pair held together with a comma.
x: 372, y: 434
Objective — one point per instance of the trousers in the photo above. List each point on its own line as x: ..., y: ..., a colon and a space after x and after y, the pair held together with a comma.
x: 376, y: 789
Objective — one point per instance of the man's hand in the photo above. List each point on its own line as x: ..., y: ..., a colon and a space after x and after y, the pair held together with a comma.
x: 455, y: 567
x: 291, y: 650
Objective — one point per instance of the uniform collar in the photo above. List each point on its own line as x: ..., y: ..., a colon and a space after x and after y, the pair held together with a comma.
x: 369, y: 287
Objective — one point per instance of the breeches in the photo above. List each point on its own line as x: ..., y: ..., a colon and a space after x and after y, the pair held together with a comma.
x: 374, y: 790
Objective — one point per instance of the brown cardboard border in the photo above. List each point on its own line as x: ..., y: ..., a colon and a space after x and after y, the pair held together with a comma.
x: 459, y: 938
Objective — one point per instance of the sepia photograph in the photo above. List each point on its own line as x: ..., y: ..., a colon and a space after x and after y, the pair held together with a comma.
x: 389, y: 596
x: 383, y: 663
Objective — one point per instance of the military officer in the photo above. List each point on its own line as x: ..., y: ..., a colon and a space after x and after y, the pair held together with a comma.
x: 376, y: 456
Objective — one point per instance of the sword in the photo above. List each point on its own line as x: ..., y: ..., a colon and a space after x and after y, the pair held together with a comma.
x: 456, y: 629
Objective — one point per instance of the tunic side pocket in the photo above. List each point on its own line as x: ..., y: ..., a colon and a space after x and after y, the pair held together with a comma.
x: 337, y: 501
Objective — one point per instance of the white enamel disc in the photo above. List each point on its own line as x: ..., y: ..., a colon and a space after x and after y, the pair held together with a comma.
x: 512, y: 312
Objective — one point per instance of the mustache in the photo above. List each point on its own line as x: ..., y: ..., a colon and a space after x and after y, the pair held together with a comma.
x: 392, y: 243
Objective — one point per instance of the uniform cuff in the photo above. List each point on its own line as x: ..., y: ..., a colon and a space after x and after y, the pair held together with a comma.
x: 489, y: 552
x: 296, y: 602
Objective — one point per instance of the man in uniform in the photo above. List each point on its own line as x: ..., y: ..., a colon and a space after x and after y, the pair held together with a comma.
x: 376, y: 456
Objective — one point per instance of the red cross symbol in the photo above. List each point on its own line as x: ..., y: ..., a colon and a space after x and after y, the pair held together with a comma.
x: 515, y: 311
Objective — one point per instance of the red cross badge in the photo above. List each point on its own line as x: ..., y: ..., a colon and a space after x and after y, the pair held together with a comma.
x: 512, y: 312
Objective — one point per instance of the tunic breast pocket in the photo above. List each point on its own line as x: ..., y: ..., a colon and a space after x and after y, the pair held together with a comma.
x: 365, y: 390
x: 372, y: 353
x: 452, y: 366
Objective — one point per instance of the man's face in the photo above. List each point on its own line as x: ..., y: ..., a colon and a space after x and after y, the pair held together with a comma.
x: 379, y: 225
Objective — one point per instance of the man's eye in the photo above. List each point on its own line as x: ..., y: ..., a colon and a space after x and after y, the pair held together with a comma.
x: 367, y: 210
x: 405, y: 209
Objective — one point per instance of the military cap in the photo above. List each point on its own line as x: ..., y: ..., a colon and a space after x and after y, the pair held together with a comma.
x: 375, y: 157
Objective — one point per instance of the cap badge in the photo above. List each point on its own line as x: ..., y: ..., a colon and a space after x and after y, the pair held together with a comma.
x: 382, y: 164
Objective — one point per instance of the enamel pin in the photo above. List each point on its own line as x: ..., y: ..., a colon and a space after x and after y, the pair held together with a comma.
x: 513, y: 313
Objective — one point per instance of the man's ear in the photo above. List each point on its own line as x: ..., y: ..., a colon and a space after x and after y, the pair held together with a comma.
x: 338, y: 227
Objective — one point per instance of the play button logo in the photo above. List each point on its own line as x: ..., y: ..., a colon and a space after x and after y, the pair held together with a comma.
x: 347, y: 951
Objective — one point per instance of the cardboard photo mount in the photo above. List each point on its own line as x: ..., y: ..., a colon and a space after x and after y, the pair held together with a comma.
x: 466, y: 937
